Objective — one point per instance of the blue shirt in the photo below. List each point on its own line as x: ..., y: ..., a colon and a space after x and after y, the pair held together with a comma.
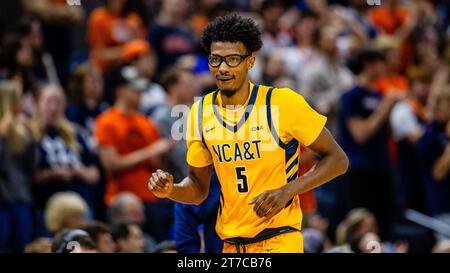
x: 54, y: 152
x: 84, y: 118
x: 360, y: 102
x: 170, y: 43
x: 430, y: 147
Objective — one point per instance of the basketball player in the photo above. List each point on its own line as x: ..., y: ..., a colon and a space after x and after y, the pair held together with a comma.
x: 251, y: 135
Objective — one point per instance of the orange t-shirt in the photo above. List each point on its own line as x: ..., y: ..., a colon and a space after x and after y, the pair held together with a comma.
x: 127, y: 133
x: 107, y: 29
x: 394, y: 82
x: 387, y: 20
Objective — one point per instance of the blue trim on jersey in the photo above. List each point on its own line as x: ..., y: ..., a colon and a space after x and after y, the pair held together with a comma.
x: 269, y: 120
x: 292, y: 177
x: 293, y: 164
x: 221, y: 202
x: 244, y: 118
x: 200, y: 120
x: 290, y: 148
x: 290, y: 151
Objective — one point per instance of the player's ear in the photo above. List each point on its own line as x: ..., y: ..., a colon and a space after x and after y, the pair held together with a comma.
x: 251, y: 62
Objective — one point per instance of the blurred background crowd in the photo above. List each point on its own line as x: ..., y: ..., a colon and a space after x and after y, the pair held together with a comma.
x: 86, y: 93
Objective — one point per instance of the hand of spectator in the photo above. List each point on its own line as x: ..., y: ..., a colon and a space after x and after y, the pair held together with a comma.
x: 6, y: 123
x: 90, y: 175
x: 161, y: 183
x: 394, y: 96
x: 160, y: 147
x: 337, y: 13
x: 64, y: 173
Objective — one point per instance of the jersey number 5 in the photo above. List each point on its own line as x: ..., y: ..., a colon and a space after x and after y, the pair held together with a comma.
x: 242, y: 185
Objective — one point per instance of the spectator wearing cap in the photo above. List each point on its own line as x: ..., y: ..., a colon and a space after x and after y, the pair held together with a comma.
x: 145, y: 61
x: 394, y: 79
x: 395, y: 19
x: 130, y: 149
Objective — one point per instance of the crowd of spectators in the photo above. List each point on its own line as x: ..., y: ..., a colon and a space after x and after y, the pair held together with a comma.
x: 87, y: 94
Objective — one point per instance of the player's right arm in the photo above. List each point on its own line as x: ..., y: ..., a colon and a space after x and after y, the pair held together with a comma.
x: 192, y: 190
x: 195, y: 187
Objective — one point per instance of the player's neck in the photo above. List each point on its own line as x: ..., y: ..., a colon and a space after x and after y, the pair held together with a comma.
x: 237, y: 99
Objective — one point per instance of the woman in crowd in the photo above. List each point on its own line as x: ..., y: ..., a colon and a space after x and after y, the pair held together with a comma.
x: 65, y: 163
x: 17, y: 154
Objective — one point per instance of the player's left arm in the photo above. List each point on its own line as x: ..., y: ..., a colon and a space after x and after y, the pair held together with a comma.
x: 332, y: 163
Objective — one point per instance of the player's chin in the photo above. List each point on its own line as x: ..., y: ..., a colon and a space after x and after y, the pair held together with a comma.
x: 228, y: 92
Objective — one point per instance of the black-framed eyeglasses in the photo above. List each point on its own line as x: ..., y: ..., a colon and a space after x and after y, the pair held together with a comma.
x: 231, y: 60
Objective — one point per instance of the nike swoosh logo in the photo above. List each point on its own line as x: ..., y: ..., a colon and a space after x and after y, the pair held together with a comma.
x: 209, y: 130
x: 270, y: 249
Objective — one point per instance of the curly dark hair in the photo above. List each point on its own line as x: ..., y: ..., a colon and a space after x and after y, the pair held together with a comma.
x: 232, y: 28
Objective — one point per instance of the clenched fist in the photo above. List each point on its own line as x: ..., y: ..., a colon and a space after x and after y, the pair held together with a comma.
x: 161, y: 183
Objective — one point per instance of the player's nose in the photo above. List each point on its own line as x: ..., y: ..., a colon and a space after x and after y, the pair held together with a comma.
x: 223, y: 67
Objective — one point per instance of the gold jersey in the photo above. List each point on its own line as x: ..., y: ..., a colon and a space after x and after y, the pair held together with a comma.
x: 254, y: 148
